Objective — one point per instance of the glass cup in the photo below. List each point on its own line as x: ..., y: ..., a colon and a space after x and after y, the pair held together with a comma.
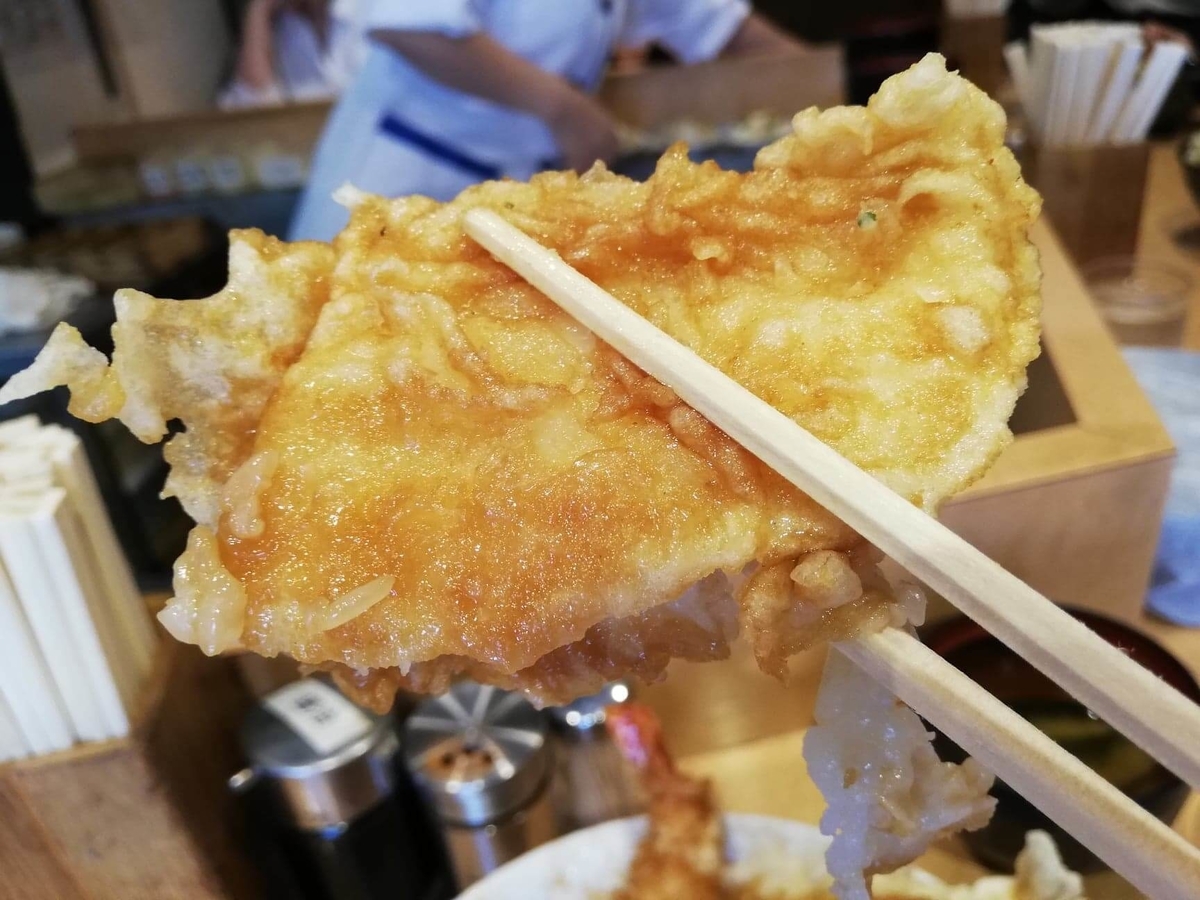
x: 1144, y: 302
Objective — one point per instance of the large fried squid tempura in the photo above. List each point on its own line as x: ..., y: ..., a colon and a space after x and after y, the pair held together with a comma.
x: 407, y: 465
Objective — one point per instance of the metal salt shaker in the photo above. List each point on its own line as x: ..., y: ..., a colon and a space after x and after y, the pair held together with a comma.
x: 481, y: 758
x: 592, y: 783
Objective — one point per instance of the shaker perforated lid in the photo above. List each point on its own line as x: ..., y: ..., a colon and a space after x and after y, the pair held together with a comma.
x: 308, y: 727
x: 326, y: 761
x: 477, y: 753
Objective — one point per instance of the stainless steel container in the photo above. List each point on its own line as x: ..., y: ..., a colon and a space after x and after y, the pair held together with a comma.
x: 592, y: 782
x: 329, y: 812
x: 325, y: 761
x: 587, y: 715
x: 481, y: 758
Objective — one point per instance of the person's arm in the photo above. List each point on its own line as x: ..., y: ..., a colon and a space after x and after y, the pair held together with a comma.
x: 476, y: 64
x: 757, y: 35
x: 256, y: 60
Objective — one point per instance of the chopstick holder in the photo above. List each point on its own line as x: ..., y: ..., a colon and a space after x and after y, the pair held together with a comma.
x: 58, y: 613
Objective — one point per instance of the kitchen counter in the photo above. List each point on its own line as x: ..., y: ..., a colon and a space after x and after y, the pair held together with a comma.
x: 729, y: 723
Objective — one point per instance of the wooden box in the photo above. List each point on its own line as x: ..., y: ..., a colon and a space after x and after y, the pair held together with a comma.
x: 295, y: 127
x: 1074, y: 505
x: 143, y: 818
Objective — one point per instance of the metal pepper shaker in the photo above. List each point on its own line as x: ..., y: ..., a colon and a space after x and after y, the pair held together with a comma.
x: 481, y: 758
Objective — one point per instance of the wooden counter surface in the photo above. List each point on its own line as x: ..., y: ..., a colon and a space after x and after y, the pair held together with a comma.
x: 729, y: 723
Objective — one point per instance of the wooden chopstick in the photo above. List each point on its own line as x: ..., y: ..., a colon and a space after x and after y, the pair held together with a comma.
x: 1155, y: 716
x: 1117, y: 85
x: 1138, y: 847
x: 1134, y: 701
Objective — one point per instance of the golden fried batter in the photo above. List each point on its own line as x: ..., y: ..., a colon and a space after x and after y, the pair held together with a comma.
x: 454, y: 477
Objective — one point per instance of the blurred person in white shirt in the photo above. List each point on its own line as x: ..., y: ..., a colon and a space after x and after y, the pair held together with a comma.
x: 453, y: 92
x: 296, y: 50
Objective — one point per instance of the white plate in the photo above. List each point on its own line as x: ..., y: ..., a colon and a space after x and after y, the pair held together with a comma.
x: 785, y: 855
x: 596, y: 860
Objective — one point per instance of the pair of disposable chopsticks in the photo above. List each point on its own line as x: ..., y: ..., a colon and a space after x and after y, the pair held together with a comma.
x: 1155, y: 716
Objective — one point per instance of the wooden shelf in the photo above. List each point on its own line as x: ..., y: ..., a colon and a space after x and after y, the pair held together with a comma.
x: 295, y: 125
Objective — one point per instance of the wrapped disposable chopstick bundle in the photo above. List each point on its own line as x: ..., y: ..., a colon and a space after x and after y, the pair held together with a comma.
x: 76, y: 637
x: 1092, y: 83
x: 27, y: 685
x: 99, y: 546
x: 55, y: 606
x: 12, y: 741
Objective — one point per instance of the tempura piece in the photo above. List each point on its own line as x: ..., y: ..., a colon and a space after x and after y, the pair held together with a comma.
x: 682, y: 856
x: 1041, y: 874
x: 212, y: 363
x: 888, y: 795
x: 447, y: 475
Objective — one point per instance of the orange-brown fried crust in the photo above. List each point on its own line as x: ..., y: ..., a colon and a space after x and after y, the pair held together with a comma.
x: 452, y: 477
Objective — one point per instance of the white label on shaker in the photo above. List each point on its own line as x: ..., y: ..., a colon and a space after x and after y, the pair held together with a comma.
x: 319, y: 714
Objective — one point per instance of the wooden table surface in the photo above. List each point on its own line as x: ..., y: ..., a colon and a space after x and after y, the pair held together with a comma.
x: 1170, y: 229
x: 729, y: 723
